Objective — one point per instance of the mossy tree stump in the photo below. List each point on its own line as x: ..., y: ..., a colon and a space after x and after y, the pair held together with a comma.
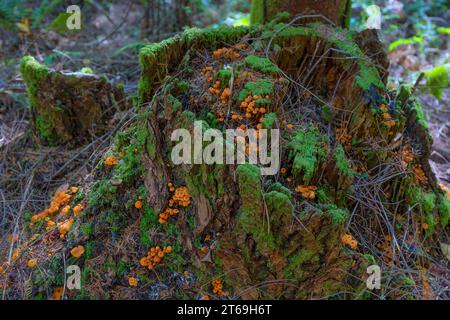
x: 69, y: 108
x: 363, y: 149
x: 258, y: 244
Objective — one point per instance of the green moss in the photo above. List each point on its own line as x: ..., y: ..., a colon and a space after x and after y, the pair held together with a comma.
x: 261, y: 102
x: 45, y: 128
x: 32, y: 73
x: 305, y: 150
x: 277, y: 186
x: 87, y: 70
x: 298, y: 31
x: 224, y: 76
x: 133, y: 143
x: 432, y: 223
x: 175, y: 86
x: 370, y: 259
x: 279, y: 208
x: 102, y: 194
x: 148, y: 219
x: 293, y: 269
x: 338, y: 216
x: 158, y: 59
x: 87, y: 229
x: 270, y: 121
x: 368, y: 76
x: 261, y: 64
x: 261, y: 87
x: 417, y: 112
x: 89, y: 249
x: 444, y: 211
x: 174, y: 103
x: 413, y: 194
x: 342, y: 163
x: 323, y: 195
x: 429, y: 202
x: 251, y: 216
x: 326, y: 113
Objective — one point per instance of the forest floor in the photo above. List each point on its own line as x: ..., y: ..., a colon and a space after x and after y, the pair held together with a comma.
x: 29, y: 175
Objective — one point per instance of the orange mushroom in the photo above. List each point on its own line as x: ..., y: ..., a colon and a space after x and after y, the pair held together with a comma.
x: 77, y: 252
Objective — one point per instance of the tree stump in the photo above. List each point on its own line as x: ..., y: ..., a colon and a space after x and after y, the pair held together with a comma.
x: 354, y: 158
x: 69, y: 108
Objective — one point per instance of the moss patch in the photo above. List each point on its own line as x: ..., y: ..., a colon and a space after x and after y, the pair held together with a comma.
x: 261, y: 87
x: 261, y: 64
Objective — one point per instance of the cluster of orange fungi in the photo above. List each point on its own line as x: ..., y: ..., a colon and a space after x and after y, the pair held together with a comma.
x: 217, y: 287
x: 60, y: 204
x: 60, y: 199
x: 111, y: 161
x: 138, y: 204
x: 344, y: 137
x: 77, y: 251
x: 407, y: 156
x: 249, y: 105
x: 226, y: 53
x: 387, y: 118
x: 307, y: 192
x: 348, y: 240
x: 155, y: 256
x: 132, y: 281
x: 419, y: 175
x: 180, y: 197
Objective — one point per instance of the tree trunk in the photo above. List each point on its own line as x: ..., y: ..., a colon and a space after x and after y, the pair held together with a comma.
x: 336, y: 12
